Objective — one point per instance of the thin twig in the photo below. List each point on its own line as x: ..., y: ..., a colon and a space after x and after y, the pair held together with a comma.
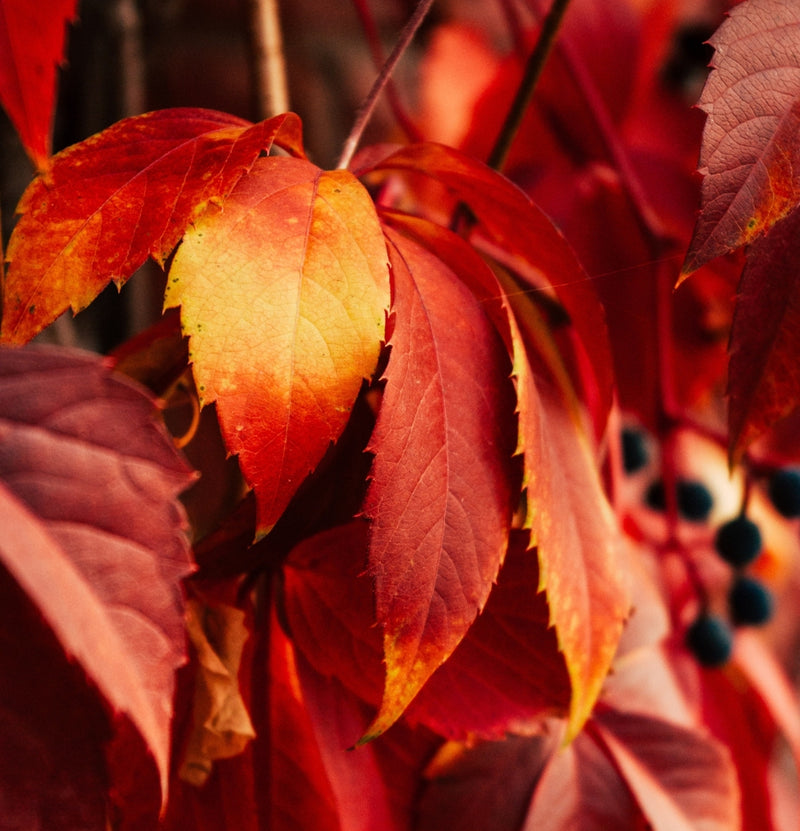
x: 269, y: 63
x: 392, y: 96
x: 533, y: 70
x: 367, y: 108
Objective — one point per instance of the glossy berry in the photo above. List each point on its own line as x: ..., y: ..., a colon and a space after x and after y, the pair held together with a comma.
x: 784, y: 491
x: 750, y: 602
x: 693, y: 498
x: 710, y: 640
x: 634, y: 450
x: 738, y: 541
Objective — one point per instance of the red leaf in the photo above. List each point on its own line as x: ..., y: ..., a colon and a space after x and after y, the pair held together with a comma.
x: 283, y: 292
x: 82, y: 449
x: 32, y: 39
x: 579, y: 553
x: 750, y: 156
x: 441, y: 490
x: 111, y: 201
x: 507, y: 671
x: 682, y: 780
x: 764, y: 375
x: 526, y: 241
x: 487, y: 786
x: 53, y: 725
x: 581, y: 788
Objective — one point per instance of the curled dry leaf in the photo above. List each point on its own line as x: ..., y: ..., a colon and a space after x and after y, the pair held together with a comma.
x: 222, y: 726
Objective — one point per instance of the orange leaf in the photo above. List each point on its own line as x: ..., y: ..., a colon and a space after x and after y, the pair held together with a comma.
x: 576, y: 534
x: 283, y: 292
x: 111, y: 201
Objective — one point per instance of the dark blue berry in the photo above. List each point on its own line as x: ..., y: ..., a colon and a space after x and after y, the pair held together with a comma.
x: 634, y: 450
x: 784, y: 491
x: 694, y: 500
x: 710, y: 640
x: 738, y: 541
x: 750, y: 602
x: 655, y: 496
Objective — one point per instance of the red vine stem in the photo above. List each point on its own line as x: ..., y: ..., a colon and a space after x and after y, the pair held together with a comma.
x: 368, y: 107
x: 373, y: 39
x: 617, y: 151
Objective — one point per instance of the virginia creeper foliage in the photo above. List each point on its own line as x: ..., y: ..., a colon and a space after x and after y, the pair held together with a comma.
x: 348, y: 538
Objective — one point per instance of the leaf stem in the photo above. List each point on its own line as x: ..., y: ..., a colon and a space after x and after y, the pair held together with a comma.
x: 268, y: 62
x: 368, y: 107
x: 404, y: 121
x: 533, y: 70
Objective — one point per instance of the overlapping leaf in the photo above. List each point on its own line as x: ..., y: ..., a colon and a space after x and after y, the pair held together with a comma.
x: 506, y: 671
x: 100, y: 548
x: 625, y: 771
x: 680, y: 779
x: 32, y: 38
x: 441, y: 490
x: 108, y: 203
x: 283, y: 291
x: 764, y: 377
x: 572, y: 524
x: 53, y: 725
x: 750, y: 156
x: 525, y: 239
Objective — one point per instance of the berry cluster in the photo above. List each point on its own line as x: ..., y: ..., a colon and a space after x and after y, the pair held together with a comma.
x: 737, y: 541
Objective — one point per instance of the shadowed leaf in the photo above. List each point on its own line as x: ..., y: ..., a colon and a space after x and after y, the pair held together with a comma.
x: 764, y: 374
x: 750, y: 157
x: 81, y: 448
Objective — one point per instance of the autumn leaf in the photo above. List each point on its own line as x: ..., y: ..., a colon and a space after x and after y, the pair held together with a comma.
x: 578, y: 543
x: 512, y: 229
x: 441, y: 491
x: 283, y: 292
x: 750, y: 157
x: 32, y: 41
x: 484, y: 785
x: 109, y: 202
x: 682, y: 780
x: 89, y: 485
x: 53, y: 723
x: 507, y: 672
x: 571, y: 522
x: 764, y: 378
